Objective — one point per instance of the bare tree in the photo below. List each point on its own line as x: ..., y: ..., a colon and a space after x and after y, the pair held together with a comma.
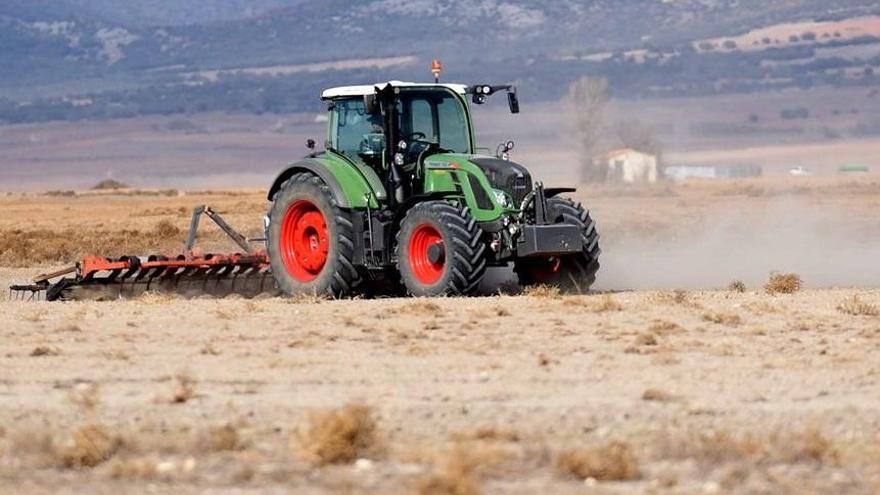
x: 587, y: 99
x: 636, y: 135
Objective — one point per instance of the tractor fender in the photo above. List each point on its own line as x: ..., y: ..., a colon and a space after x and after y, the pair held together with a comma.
x: 315, y: 167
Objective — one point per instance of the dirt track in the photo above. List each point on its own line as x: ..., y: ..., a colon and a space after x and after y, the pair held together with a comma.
x: 702, y: 391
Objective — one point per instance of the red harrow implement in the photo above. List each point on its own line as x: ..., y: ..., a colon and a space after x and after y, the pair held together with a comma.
x: 100, y: 278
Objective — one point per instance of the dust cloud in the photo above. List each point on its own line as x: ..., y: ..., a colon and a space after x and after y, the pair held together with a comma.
x: 826, y: 245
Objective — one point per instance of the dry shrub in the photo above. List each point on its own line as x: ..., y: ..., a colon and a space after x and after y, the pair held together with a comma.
x: 727, y: 319
x: 645, y: 339
x: 209, y: 350
x: 44, y: 350
x: 677, y: 297
x: 87, y: 446
x: 167, y: 231
x: 419, y: 307
x: 543, y: 291
x: 657, y: 395
x: 455, y: 481
x: 109, y: 184
x: 69, y: 328
x: 184, y: 388
x: 86, y: 397
x: 855, y: 306
x: 737, y: 286
x: 140, y: 468
x: 613, y: 461
x: 220, y: 439
x: 487, y: 434
x: 607, y: 303
x: 783, y: 283
x: 336, y: 436
x: 663, y: 327
x: 459, y: 471
x: 501, y: 311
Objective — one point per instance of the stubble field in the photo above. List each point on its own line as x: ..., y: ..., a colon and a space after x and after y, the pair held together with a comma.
x: 665, y: 380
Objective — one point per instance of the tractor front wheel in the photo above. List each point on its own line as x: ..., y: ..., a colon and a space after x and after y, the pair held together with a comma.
x: 440, y: 250
x: 574, y: 273
x: 310, y: 240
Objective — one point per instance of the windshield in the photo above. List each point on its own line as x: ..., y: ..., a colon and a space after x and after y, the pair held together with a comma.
x: 354, y: 133
x: 425, y: 116
x: 434, y: 116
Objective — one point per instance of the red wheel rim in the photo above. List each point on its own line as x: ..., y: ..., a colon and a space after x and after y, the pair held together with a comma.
x: 305, y: 241
x: 426, y: 271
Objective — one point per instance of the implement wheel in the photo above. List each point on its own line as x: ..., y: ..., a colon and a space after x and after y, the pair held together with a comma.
x: 440, y: 250
x: 574, y: 273
x: 310, y: 240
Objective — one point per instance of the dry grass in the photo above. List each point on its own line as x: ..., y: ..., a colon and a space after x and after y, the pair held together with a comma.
x: 783, y: 283
x: 613, y: 461
x: 607, y: 303
x: 336, y: 436
x: 794, y: 446
x: 855, y: 306
x: 677, y: 298
x: 25, y: 248
x: 87, y: 446
x: 542, y: 291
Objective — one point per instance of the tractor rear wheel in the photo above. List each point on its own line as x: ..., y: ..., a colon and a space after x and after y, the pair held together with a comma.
x: 310, y: 240
x: 440, y: 250
x: 576, y: 272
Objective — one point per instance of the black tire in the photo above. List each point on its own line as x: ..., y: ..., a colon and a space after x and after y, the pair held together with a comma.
x: 574, y: 273
x: 338, y: 276
x: 463, y: 255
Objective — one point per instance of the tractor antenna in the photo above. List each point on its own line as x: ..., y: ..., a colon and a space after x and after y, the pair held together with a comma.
x: 436, y: 69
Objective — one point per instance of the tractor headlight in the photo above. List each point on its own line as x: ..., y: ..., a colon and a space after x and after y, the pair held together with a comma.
x: 398, y: 159
x: 502, y: 199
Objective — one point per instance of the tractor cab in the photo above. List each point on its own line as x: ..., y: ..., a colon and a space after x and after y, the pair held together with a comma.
x: 393, y: 127
x: 398, y: 123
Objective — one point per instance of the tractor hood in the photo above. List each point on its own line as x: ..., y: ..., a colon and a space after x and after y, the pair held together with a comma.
x: 508, y: 176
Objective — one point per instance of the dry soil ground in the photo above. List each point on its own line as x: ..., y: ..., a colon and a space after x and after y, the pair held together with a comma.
x: 622, y: 391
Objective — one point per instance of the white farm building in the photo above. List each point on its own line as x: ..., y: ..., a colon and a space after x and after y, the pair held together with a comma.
x: 627, y: 166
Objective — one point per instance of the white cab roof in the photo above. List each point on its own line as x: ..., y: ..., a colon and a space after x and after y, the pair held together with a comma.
x: 344, y: 91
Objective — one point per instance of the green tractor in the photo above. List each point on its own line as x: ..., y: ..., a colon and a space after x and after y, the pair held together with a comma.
x: 400, y: 199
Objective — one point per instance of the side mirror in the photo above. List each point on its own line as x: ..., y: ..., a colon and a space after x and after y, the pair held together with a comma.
x: 513, y: 102
x: 371, y: 104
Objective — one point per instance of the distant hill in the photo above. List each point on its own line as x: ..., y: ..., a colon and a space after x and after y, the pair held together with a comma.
x: 74, y: 56
x: 143, y: 13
